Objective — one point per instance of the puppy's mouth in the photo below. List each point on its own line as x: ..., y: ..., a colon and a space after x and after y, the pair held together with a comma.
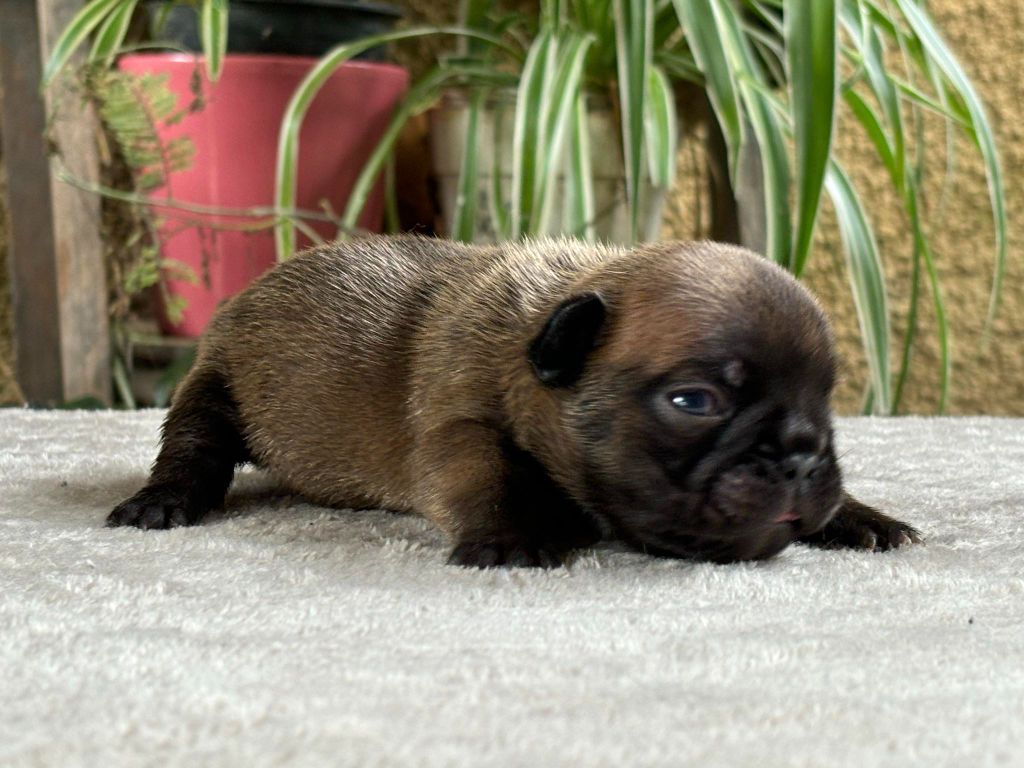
x: 743, y: 513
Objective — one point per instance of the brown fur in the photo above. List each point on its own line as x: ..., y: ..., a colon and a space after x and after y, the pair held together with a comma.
x: 395, y: 372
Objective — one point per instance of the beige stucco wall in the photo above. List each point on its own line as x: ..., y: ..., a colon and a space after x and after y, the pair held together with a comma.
x: 988, y: 35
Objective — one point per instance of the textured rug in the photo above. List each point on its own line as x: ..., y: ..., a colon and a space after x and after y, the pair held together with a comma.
x: 286, y: 634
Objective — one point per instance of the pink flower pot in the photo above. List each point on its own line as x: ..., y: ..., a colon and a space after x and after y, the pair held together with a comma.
x: 235, y: 138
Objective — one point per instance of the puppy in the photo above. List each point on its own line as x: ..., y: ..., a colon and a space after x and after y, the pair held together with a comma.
x: 528, y: 398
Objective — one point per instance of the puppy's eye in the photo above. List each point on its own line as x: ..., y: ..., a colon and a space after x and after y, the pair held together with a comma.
x: 697, y: 402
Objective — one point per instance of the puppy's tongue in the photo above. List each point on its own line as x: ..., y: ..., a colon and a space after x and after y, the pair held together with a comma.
x: 786, y: 517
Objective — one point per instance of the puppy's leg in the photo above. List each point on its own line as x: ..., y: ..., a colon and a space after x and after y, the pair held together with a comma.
x: 201, y: 445
x: 496, y: 501
x: 858, y: 526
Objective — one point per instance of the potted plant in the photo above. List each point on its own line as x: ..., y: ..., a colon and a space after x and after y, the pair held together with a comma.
x: 217, y: 157
x: 776, y: 72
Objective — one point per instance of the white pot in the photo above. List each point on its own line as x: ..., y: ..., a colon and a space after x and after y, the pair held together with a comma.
x: 448, y: 136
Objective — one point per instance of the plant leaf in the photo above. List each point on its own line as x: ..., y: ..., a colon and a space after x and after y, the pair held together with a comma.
x: 421, y: 95
x: 867, y: 281
x: 981, y: 132
x: 110, y: 37
x: 698, y: 20
x: 291, y: 122
x: 214, y: 34
x: 464, y: 223
x: 872, y: 125
x: 660, y: 129
x: 135, y: 108
x: 923, y: 252
x: 473, y: 14
x: 558, y: 113
x: 634, y: 52
x: 811, y: 47
x: 872, y: 58
x: 579, y: 209
x: 528, y: 132
x: 498, y: 205
x: 755, y: 96
x: 75, y: 33
x: 679, y: 66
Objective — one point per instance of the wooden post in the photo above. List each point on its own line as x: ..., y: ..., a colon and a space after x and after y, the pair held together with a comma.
x: 58, y: 281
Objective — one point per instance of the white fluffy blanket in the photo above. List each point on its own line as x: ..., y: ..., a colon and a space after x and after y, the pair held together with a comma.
x: 281, y: 633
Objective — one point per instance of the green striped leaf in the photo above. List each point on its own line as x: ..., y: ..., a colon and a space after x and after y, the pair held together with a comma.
x: 75, y: 33
x: 885, y: 92
x: 213, y: 26
x: 810, y: 27
x: 559, y: 115
x: 498, y: 205
x: 867, y: 281
x: 923, y: 253
x: 465, y: 216
x: 633, y: 40
x: 419, y: 97
x: 767, y: 127
x: 907, y: 187
x: 701, y: 30
x: 286, y: 173
x: 679, y: 66
x: 473, y: 14
x: 529, y: 131
x: 981, y: 133
x: 661, y: 131
x: 110, y: 36
x: 579, y: 209
x: 872, y: 124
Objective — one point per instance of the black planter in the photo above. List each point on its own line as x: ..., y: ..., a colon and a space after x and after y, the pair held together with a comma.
x: 289, y: 27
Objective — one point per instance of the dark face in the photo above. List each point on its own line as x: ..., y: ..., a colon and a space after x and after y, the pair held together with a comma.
x: 715, y: 442
x: 722, y: 459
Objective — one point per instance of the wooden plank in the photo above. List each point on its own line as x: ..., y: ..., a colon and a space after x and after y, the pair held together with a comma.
x: 55, y: 255
x: 33, y: 277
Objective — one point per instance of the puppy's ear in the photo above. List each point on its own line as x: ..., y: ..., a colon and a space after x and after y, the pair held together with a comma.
x: 559, y: 352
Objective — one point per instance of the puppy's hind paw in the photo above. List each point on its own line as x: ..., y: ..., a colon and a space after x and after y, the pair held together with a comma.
x: 153, y: 509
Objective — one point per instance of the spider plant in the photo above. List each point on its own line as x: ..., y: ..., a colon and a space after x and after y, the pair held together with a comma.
x: 107, y: 22
x: 776, y: 72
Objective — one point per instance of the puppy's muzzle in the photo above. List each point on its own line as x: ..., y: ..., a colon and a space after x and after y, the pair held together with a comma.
x: 801, y: 466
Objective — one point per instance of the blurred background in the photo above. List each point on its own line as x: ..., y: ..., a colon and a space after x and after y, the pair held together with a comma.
x: 987, y: 373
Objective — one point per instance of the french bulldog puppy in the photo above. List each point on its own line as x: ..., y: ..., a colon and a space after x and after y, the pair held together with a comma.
x: 527, y: 398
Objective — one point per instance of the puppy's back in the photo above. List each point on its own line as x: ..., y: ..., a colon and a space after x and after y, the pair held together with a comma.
x: 337, y: 357
x: 317, y: 356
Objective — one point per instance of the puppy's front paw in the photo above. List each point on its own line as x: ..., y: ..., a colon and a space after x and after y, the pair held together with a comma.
x: 503, y: 552
x: 152, y: 508
x: 858, y: 526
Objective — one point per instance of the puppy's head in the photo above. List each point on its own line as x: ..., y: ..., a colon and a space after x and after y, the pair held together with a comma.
x: 694, y: 383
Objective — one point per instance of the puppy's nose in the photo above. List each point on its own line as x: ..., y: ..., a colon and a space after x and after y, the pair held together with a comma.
x: 800, y: 466
x: 799, y: 436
